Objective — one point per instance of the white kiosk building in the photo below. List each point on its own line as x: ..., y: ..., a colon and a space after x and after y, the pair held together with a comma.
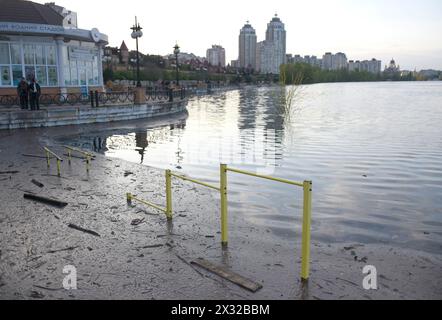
x: 43, y: 42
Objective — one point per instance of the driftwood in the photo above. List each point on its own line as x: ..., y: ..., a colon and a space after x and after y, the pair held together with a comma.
x: 228, y: 275
x: 38, y: 184
x: 73, y: 226
x: 52, y: 202
x: 9, y: 172
x: 61, y: 250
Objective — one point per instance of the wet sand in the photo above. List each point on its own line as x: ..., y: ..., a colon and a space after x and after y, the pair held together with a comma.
x: 152, y: 260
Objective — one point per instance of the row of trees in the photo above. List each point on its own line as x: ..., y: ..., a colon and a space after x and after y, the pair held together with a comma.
x: 311, y: 74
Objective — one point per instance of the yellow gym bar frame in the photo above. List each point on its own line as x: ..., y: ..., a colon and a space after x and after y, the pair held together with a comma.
x: 223, y: 190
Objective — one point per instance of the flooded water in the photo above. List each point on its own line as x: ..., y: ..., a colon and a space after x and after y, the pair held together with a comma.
x: 372, y: 150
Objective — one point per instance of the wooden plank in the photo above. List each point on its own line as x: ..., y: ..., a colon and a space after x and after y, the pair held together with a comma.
x: 75, y: 227
x: 228, y: 275
x: 52, y: 202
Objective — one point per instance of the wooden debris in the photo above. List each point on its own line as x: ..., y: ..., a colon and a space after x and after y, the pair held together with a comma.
x: 73, y: 226
x: 52, y: 202
x: 9, y: 172
x: 137, y: 222
x: 152, y: 246
x: 61, y: 250
x: 228, y: 275
x: 38, y: 184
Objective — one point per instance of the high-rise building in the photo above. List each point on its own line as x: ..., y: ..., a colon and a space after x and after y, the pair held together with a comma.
x: 272, y: 51
x: 247, y: 47
x: 216, y: 56
x: 339, y: 61
x: 372, y: 66
x: 327, y: 61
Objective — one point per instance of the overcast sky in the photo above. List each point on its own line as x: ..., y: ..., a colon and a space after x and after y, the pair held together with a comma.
x: 408, y: 30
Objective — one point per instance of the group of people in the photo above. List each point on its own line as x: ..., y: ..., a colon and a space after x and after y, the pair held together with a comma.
x: 29, y: 93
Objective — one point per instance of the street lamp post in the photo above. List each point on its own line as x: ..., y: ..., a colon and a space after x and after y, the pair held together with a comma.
x: 176, y: 52
x: 137, y: 33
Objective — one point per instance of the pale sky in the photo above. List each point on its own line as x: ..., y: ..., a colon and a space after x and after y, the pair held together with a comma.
x: 408, y: 30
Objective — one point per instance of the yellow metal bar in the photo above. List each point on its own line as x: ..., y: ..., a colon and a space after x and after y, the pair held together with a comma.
x: 79, y: 151
x: 52, y: 153
x: 224, y: 213
x: 169, y: 211
x: 306, y: 228
x: 69, y: 155
x: 195, y: 181
x: 58, y: 168
x: 130, y: 197
x: 266, y: 177
x: 48, y: 158
x: 88, y: 160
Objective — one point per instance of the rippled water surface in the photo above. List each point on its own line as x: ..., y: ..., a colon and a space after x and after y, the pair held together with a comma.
x: 373, y: 151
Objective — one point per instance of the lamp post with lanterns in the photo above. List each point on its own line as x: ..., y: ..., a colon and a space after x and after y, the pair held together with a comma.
x: 137, y: 33
x: 176, y: 51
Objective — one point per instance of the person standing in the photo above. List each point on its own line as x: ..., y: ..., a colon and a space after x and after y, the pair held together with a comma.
x: 23, y: 92
x: 35, y: 90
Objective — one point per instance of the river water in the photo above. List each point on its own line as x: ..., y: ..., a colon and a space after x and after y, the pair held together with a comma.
x: 372, y: 150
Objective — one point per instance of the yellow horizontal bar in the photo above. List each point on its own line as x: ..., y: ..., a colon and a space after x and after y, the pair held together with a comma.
x: 147, y: 203
x: 195, y: 181
x: 266, y: 177
x: 79, y: 151
x: 57, y: 157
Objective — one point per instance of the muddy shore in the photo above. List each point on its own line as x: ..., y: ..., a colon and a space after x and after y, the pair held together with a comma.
x: 151, y: 260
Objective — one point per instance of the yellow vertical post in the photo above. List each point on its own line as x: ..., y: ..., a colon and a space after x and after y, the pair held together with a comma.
x: 48, y: 158
x: 306, y: 227
x: 58, y: 168
x: 169, y: 212
x: 70, y: 155
x: 129, y: 198
x: 224, y: 211
x: 87, y: 163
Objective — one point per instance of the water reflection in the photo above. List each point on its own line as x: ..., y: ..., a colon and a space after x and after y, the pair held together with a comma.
x: 373, y: 150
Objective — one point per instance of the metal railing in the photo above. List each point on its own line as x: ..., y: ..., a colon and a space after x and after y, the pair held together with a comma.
x: 307, y: 187
x: 94, y: 99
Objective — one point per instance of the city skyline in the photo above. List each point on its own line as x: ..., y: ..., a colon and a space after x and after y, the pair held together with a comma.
x: 404, y: 30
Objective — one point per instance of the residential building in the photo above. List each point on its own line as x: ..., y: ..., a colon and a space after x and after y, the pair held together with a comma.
x: 327, y: 61
x: 216, y: 56
x: 247, y: 47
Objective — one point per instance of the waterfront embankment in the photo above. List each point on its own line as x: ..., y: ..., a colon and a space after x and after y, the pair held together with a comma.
x: 151, y: 259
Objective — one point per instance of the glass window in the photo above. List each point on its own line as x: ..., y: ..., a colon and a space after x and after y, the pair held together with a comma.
x: 74, y: 75
x: 82, y: 76
x: 41, y: 75
x: 90, y: 74
x: 52, y: 76
x: 51, y: 55
x: 15, y: 54
x: 40, y: 55
x: 29, y: 53
x: 4, y: 53
x: 30, y: 72
x: 67, y: 75
x: 17, y: 74
x: 5, y: 76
